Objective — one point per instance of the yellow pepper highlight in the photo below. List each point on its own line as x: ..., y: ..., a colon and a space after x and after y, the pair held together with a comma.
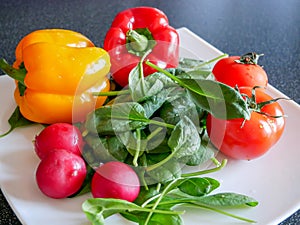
x: 63, y: 68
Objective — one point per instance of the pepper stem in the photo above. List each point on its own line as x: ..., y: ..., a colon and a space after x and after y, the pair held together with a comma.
x: 137, y: 42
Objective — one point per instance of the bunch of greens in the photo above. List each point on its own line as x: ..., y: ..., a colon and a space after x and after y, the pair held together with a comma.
x: 157, y: 125
x: 155, y: 204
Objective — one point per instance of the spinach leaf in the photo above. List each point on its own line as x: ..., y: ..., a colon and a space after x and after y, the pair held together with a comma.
x: 172, y: 111
x: 98, y: 209
x: 133, y: 216
x: 194, y: 69
x: 228, y: 199
x: 17, y: 74
x: 103, y: 149
x: 17, y: 120
x: 151, y: 140
x: 133, y: 142
x: 154, y: 103
x: 146, y: 193
x: 156, y: 218
x: 173, y: 200
x: 94, y: 152
x: 116, y: 148
x: 198, y: 186
x: 184, y: 139
x: 157, y: 141
x: 140, y: 88
x: 160, y: 219
x: 188, y: 64
x: 120, y: 117
x: 167, y: 82
x: 166, y: 172
x: 217, y: 98
x: 202, y: 155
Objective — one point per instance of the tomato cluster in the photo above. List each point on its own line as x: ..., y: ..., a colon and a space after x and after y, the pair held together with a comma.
x: 239, y: 138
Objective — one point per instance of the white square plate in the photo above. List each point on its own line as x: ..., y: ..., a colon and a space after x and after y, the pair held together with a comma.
x: 272, y: 179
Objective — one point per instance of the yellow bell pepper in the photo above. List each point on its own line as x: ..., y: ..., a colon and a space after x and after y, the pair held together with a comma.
x: 56, y: 72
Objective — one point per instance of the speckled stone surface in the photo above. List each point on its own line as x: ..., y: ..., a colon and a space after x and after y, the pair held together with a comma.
x: 235, y: 27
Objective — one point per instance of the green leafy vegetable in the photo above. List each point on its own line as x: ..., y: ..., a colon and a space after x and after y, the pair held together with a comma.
x: 155, y: 205
x: 17, y: 74
x: 98, y: 209
x: 228, y: 199
x: 158, y: 126
x: 199, y: 186
x: 120, y: 117
x: 17, y: 120
x: 218, y: 99
x: 202, y: 155
x: 175, y: 109
x: 184, y: 139
x: 140, y: 88
x: 169, y: 170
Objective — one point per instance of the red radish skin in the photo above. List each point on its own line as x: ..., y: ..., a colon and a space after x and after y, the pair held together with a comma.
x: 115, y: 180
x: 60, y: 174
x: 58, y: 136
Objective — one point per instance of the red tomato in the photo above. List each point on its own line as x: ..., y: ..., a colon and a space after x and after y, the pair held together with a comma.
x: 233, y: 73
x: 253, y: 138
x: 60, y: 174
x: 58, y: 136
x: 115, y: 180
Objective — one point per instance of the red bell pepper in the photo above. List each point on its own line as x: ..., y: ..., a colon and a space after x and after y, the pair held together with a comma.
x: 136, y: 31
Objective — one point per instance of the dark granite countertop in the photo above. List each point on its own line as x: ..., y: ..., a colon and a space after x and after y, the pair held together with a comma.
x: 235, y: 27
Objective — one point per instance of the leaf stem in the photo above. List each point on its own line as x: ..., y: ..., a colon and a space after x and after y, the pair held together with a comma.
x: 162, y: 124
x: 215, y: 161
x: 220, y: 211
x: 151, y: 211
x: 164, y: 192
x: 138, y: 148
x: 149, y: 121
x: 111, y: 93
x: 150, y: 200
x: 166, y: 73
x: 176, y: 78
x: 143, y: 180
x: 212, y: 60
x: 154, y: 133
x: 7, y: 132
x: 160, y: 163
x: 198, y: 173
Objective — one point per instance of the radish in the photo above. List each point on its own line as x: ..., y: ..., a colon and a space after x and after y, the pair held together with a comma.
x: 58, y: 136
x: 115, y: 180
x: 60, y: 173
